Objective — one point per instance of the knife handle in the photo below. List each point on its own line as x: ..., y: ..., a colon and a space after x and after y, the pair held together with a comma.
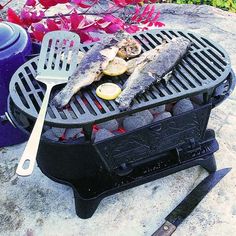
x: 166, y: 229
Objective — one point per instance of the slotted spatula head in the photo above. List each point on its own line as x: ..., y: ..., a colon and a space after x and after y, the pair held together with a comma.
x: 58, y: 57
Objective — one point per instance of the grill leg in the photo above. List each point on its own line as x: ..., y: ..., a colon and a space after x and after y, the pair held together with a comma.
x: 85, y: 208
x: 209, y: 164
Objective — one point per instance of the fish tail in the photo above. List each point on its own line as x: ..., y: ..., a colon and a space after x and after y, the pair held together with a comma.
x: 62, y: 98
x: 124, y: 102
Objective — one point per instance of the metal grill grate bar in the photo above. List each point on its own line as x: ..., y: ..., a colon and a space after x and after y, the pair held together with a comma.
x: 213, y: 47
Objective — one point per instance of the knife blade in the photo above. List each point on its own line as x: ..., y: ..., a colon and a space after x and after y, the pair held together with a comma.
x: 178, y: 215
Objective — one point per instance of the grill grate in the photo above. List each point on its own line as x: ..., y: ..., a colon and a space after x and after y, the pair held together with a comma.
x: 205, y: 67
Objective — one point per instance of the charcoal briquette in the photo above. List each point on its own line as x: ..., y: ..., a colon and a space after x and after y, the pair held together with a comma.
x: 162, y: 116
x: 59, y: 132
x: 133, y: 122
x: 182, y: 106
x: 73, y: 133
x: 158, y: 109
x: 102, y: 134
x: 146, y: 115
x: 109, y: 125
x: 49, y: 134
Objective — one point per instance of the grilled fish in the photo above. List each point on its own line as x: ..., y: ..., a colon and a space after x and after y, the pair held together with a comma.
x: 150, y: 71
x: 148, y: 55
x: 91, y: 66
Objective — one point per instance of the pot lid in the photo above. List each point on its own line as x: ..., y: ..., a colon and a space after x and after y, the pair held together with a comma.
x: 9, y: 34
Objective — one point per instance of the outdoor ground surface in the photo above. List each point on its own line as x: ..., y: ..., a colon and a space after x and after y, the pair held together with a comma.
x: 38, y: 206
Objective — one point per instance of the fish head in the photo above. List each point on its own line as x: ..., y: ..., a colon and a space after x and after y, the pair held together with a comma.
x: 128, y: 47
x: 183, y: 42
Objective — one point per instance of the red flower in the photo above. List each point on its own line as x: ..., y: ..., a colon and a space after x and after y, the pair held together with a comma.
x: 48, y: 3
x: 110, y: 24
x: 38, y: 31
x: 132, y: 29
x: 61, y: 1
x: 31, y: 3
x: 52, y: 25
x: 84, y: 4
x: 85, y: 37
x: 121, y: 3
x: 28, y: 17
x: 38, y: 25
x: 75, y: 20
x: 13, y: 17
x: 124, y: 3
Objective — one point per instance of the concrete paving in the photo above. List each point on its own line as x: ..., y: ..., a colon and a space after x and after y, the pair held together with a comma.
x: 36, y: 205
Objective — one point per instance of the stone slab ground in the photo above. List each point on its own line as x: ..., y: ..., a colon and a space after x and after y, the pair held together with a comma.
x: 38, y: 206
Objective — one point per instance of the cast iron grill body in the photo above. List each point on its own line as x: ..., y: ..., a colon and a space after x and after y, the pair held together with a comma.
x: 96, y: 170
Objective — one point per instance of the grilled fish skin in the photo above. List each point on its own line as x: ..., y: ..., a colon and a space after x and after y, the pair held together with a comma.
x: 91, y: 66
x: 148, y: 72
x: 133, y: 63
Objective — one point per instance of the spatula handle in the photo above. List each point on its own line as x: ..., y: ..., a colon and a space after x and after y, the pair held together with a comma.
x: 31, y: 149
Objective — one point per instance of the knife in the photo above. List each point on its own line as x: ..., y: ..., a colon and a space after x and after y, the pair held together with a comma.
x: 178, y: 215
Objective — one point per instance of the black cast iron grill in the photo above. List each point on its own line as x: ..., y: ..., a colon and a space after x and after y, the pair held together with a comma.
x: 202, y: 70
x: 96, y: 170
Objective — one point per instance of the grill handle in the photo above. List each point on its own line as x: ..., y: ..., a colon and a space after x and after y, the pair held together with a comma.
x: 219, y: 98
x: 31, y: 149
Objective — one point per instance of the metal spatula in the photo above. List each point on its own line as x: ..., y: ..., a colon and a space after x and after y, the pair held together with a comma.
x: 51, y: 71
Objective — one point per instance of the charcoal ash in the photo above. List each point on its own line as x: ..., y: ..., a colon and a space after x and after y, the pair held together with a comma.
x: 102, y: 134
x: 182, y: 106
x: 58, y: 132
x: 73, y: 133
x: 109, y: 125
x: 162, y: 116
x: 158, y: 109
x: 49, y: 134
